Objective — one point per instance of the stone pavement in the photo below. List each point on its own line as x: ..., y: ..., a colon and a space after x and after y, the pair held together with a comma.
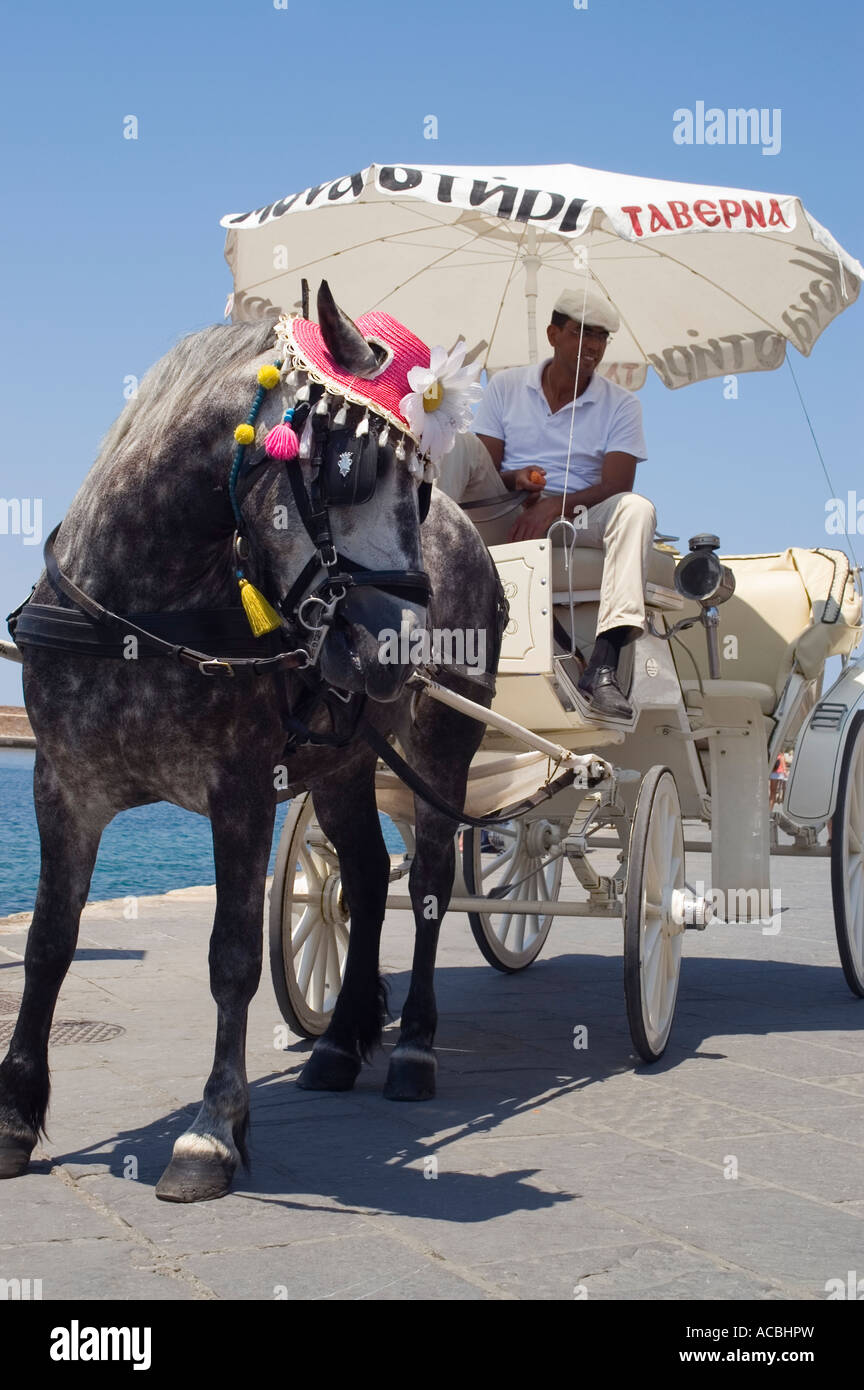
x: 558, y: 1170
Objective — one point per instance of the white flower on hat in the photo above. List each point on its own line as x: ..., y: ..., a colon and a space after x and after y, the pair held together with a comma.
x: 438, y: 406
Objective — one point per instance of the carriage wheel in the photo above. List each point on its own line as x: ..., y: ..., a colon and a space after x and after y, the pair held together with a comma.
x: 527, y: 865
x: 653, y: 913
x: 847, y: 859
x: 308, y: 941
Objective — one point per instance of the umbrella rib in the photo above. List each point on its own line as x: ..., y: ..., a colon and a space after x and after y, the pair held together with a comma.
x: 504, y: 295
x: 630, y: 328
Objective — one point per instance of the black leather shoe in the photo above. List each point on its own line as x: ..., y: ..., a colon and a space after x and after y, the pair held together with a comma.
x: 604, y: 694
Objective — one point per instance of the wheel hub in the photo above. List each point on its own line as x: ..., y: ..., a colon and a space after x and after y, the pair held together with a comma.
x: 333, y: 906
x: 541, y: 838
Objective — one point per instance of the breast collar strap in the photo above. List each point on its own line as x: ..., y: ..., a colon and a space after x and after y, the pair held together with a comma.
x: 124, y: 626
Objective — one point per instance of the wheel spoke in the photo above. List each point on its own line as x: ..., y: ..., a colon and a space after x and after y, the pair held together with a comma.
x: 315, y: 994
x: 522, y: 892
x: 653, y: 969
x: 491, y: 869
x: 502, y: 927
x: 310, y: 921
x: 310, y: 956
x: 333, y: 971
x: 310, y: 865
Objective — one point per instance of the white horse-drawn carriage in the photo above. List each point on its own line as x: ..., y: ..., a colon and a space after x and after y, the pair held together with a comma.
x: 729, y: 675
x: 709, y: 282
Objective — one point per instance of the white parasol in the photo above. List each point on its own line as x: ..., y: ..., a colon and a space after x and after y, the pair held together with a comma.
x: 708, y: 281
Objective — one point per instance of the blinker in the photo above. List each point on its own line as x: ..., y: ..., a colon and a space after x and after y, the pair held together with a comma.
x: 349, y: 467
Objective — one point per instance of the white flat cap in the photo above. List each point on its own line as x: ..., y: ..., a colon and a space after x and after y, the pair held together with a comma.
x: 589, y: 306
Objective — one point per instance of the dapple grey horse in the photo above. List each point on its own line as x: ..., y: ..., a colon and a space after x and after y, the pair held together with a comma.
x: 151, y: 532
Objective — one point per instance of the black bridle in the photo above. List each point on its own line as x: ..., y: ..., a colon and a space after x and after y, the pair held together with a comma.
x: 344, y: 470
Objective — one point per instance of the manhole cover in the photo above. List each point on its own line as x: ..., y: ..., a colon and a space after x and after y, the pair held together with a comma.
x: 9, y: 1003
x: 66, y: 1031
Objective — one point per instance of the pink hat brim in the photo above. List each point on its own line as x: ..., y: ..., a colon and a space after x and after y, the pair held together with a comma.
x: 381, y: 393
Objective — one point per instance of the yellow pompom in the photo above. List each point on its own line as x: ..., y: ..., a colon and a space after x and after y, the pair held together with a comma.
x: 268, y: 376
x: 245, y: 434
x: 433, y: 396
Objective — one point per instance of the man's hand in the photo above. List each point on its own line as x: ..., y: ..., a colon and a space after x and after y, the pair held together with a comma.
x: 536, y: 520
x: 531, y: 479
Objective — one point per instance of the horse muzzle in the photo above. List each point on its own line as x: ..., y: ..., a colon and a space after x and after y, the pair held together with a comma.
x: 368, y: 647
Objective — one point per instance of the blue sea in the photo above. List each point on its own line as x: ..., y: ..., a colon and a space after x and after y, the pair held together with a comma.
x: 147, y: 850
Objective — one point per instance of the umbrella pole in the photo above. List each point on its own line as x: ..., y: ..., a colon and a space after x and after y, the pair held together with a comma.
x: 532, y: 264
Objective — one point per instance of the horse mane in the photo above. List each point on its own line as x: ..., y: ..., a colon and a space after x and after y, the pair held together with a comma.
x: 186, y: 371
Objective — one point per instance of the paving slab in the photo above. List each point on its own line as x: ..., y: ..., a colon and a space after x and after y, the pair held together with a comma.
x: 540, y: 1171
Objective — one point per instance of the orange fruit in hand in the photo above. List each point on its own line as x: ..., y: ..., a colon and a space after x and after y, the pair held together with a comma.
x: 536, y: 475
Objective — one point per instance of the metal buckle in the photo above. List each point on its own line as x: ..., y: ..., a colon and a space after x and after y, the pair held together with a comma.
x: 328, y: 605
x: 214, y: 665
x: 327, y: 555
x: 312, y: 598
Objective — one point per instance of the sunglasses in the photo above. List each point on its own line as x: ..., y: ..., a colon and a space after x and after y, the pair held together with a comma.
x: 588, y: 330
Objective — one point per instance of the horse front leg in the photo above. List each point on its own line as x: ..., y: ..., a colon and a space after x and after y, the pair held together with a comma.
x: 440, y: 745
x: 207, y: 1155
x: 412, y: 1071
x: 70, y: 827
x: 348, y: 814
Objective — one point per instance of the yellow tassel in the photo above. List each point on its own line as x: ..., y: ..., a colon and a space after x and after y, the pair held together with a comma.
x: 262, y: 617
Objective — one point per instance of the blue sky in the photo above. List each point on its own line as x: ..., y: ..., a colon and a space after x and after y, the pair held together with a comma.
x: 111, y: 248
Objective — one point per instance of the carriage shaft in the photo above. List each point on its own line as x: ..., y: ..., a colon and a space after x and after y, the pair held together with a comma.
x: 593, y: 765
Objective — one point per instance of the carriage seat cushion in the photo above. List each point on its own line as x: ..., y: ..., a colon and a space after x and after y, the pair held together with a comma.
x: 587, y: 568
x: 766, y: 695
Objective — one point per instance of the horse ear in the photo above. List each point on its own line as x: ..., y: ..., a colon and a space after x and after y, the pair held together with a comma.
x: 342, y: 338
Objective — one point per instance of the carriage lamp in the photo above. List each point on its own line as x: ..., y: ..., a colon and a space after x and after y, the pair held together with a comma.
x: 702, y: 578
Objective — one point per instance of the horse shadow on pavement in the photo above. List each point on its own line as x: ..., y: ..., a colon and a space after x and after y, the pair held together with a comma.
x: 508, y: 1067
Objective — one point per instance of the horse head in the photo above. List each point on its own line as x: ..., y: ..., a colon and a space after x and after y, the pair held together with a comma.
x: 350, y: 499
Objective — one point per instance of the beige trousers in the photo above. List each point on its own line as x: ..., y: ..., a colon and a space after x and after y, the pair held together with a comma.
x: 623, y: 526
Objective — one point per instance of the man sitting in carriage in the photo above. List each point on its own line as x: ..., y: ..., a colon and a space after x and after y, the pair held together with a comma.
x: 570, y: 440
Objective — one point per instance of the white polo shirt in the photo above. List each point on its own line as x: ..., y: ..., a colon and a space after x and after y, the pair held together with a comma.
x: 607, y: 419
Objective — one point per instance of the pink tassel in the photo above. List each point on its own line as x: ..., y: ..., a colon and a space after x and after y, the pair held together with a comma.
x: 282, y: 442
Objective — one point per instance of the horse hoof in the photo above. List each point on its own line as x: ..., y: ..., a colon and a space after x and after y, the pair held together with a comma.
x: 195, y: 1180
x: 14, y: 1157
x: 411, y: 1076
x: 329, y: 1069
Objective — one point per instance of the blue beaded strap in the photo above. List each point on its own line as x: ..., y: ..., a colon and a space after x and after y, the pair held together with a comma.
x: 241, y: 449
